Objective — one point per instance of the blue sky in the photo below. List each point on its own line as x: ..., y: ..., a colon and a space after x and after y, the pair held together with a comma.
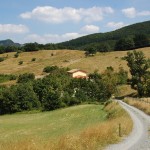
x: 52, y: 21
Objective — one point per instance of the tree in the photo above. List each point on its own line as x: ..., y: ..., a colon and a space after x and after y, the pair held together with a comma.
x: 90, y: 51
x: 11, y: 49
x: 51, y: 99
x: 26, y: 97
x: 95, y: 76
x: 139, y: 66
x: 122, y: 76
x: 110, y: 79
x: 105, y: 47
x: 29, y: 47
x: 2, y: 49
x: 50, y: 69
x: 141, y: 40
x: 8, y: 102
x: 26, y: 77
x: 124, y: 44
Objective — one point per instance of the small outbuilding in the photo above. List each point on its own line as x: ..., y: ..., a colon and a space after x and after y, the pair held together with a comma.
x: 77, y: 73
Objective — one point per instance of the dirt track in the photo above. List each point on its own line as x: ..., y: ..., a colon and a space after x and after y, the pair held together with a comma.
x: 139, y: 139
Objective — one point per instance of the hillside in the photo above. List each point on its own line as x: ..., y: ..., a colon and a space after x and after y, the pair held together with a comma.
x: 63, y: 58
x: 109, y: 37
x: 46, y: 121
x: 8, y: 42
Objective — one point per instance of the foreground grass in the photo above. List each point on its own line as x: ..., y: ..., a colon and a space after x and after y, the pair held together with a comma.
x: 143, y: 104
x: 50, y: 124
x: 84, y: 127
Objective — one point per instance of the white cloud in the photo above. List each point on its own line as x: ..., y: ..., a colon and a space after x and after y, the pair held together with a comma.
x: 90, y: 29
x: 144, y: 13
x: 59, y: 15
x: 13, y: 29
x: 129, y: 12
x: 51, y: 38
x: 115, y: 25
x: 132, y: 12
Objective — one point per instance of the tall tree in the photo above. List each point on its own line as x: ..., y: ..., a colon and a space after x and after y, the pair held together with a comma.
x: 139, y: 66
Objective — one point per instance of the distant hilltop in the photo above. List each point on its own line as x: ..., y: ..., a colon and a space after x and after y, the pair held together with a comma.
x: 101, y: 40
x: 9, y: 42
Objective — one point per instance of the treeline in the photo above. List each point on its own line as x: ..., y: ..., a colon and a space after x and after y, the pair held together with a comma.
x: 29, y: 47
x: 125, y: 43
x: 58, y: 90
x: 128, y: 43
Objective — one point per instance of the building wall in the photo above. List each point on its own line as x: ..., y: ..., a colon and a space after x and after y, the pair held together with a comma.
x: 79, y: 73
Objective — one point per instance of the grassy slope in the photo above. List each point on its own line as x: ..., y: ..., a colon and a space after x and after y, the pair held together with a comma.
x: 65, y: 58
x: 83, y: 127
x: 50, y: 124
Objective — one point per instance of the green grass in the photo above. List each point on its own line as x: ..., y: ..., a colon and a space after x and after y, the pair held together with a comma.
x: 4, y: 78
x: 46, y: 125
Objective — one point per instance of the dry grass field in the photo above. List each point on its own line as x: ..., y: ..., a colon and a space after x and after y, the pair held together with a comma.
x: 63, y: 58
x: 142, y: 104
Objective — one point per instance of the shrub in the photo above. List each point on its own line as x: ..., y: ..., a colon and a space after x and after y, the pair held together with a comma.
x: 13, y: 77
x: 26, y: 77
x: 5, y: 77
x: 2, y: 59
x: 20, y: 62
x: 33, y: 59
x: 122, y: 76
x: 49, y: 69
x: 16, y: 55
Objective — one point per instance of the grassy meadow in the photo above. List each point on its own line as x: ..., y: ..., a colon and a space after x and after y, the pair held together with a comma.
x: 76, y: 128
x: 58, y: 122
x: 63, y: 58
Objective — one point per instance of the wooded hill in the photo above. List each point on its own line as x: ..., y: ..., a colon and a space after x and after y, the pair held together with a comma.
x: 109, y: 39
x: 8, y: 42
x: 127, y: 38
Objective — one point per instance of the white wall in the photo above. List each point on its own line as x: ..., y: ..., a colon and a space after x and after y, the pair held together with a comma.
x: 79, y: 73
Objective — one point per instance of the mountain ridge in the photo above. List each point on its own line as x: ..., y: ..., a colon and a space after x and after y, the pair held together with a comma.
x: 109, y: 37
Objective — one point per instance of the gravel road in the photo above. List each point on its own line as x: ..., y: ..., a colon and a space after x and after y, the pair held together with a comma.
x: 139, y: 139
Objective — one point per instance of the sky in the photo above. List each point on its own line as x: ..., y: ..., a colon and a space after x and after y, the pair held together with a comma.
x: 53, y: 21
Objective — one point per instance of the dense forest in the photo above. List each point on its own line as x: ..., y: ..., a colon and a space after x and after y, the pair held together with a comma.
x: 108, y: 40
x: 126, y: 38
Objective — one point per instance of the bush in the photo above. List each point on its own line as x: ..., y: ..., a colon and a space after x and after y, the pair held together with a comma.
x: 5, y: 77
x: 2, y: 59
x: 33, y: 59
x: 16, y: 55
x: 26, y: 77
x: 13, y: 77
x: 49, y: 69
x: 122, y: 76
x: 20, y: 62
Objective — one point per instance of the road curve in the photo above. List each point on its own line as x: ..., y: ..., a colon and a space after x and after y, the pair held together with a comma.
x: 139, y: 138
